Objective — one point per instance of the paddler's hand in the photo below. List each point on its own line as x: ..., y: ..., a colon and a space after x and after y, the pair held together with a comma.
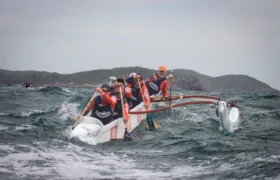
x: 169, y: 76
x: 125, y: 121
x: 99, y: 90
x: 147, y: 107
x: 153, y: 96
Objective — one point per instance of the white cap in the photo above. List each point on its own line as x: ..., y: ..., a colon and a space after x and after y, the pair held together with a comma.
x: 112, y: 80
x: 132, y: 75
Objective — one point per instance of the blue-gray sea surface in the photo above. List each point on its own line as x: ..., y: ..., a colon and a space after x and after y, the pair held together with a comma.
x: 34, y: 140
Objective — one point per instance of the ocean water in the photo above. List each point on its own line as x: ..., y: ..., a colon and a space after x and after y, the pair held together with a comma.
x: 35, y: 125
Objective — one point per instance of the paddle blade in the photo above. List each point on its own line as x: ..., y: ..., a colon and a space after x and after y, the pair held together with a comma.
x: 150, y: 123
x: 127, y: 136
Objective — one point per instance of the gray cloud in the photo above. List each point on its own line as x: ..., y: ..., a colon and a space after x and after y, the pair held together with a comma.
x: 211, y: 37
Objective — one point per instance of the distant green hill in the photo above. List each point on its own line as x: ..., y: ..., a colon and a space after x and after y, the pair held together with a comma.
x: 188, y: 79
x: 183, y: 79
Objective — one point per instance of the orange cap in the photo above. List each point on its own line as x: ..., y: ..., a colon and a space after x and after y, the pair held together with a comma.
x: 162, y: 68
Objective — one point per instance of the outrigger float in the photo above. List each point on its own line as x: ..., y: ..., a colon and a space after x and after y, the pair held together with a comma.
x: 89, y: 127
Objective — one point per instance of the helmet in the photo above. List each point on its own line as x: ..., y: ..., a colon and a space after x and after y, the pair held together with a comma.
x: 112, y: 80
x: 162, y: 68
x: 132, y: 74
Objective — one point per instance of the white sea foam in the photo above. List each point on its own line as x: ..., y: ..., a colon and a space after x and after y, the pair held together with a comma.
x: 3, y: 127
x: 74, y: 162
x: 68, y: 110
x: 29, y: 113
x: 23, y: 127
x: 66, y: 90
x: 4, y: 114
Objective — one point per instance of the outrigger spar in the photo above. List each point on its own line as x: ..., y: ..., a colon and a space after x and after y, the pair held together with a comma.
x: 182, y: 96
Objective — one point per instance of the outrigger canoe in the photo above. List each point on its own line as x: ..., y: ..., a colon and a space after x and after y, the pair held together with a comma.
x: 92, y: 129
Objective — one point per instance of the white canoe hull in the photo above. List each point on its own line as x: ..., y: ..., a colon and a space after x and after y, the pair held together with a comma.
x: 92, y: 131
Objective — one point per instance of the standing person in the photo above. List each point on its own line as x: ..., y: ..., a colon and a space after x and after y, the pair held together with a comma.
x: 158, y: 82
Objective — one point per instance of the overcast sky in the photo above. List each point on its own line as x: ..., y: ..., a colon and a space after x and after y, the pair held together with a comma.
x: 212, y: 37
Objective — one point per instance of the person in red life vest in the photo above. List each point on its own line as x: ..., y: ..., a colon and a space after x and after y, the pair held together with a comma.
x: 112, y: 81
x: 103, y: 105
x: 127, y: 90
x: 136, y: 98
x: 118, y: 111
x: 158, y: 82
x: 121, y: 82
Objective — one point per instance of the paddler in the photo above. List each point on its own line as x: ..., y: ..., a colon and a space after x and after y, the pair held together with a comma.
x: 126, y: 93
x: 103, y: 105
x: 118, y: 112
x: 112, y: 81
x: 133, y: 81
x: 158, y: 82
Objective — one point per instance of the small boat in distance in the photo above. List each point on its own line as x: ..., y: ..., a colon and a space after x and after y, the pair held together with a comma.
x: 26, y: 84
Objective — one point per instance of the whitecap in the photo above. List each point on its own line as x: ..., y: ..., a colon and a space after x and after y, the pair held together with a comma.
x: 3, y: 127
x: 68, y: 110
x: 23, y: 127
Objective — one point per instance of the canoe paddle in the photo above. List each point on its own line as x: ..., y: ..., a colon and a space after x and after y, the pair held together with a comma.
x: 79, y: 117
x: 150, y: 123
x: 170, y: 88
x: 170, y: 99
x: 127, y: 136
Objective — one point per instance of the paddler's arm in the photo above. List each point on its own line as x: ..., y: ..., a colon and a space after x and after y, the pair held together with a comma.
x: 146, y: 95
x: 110, y: 100
x: 126, y: 109
x: 129, y: 80
x: 158, y: 80
x: 163, y: 88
